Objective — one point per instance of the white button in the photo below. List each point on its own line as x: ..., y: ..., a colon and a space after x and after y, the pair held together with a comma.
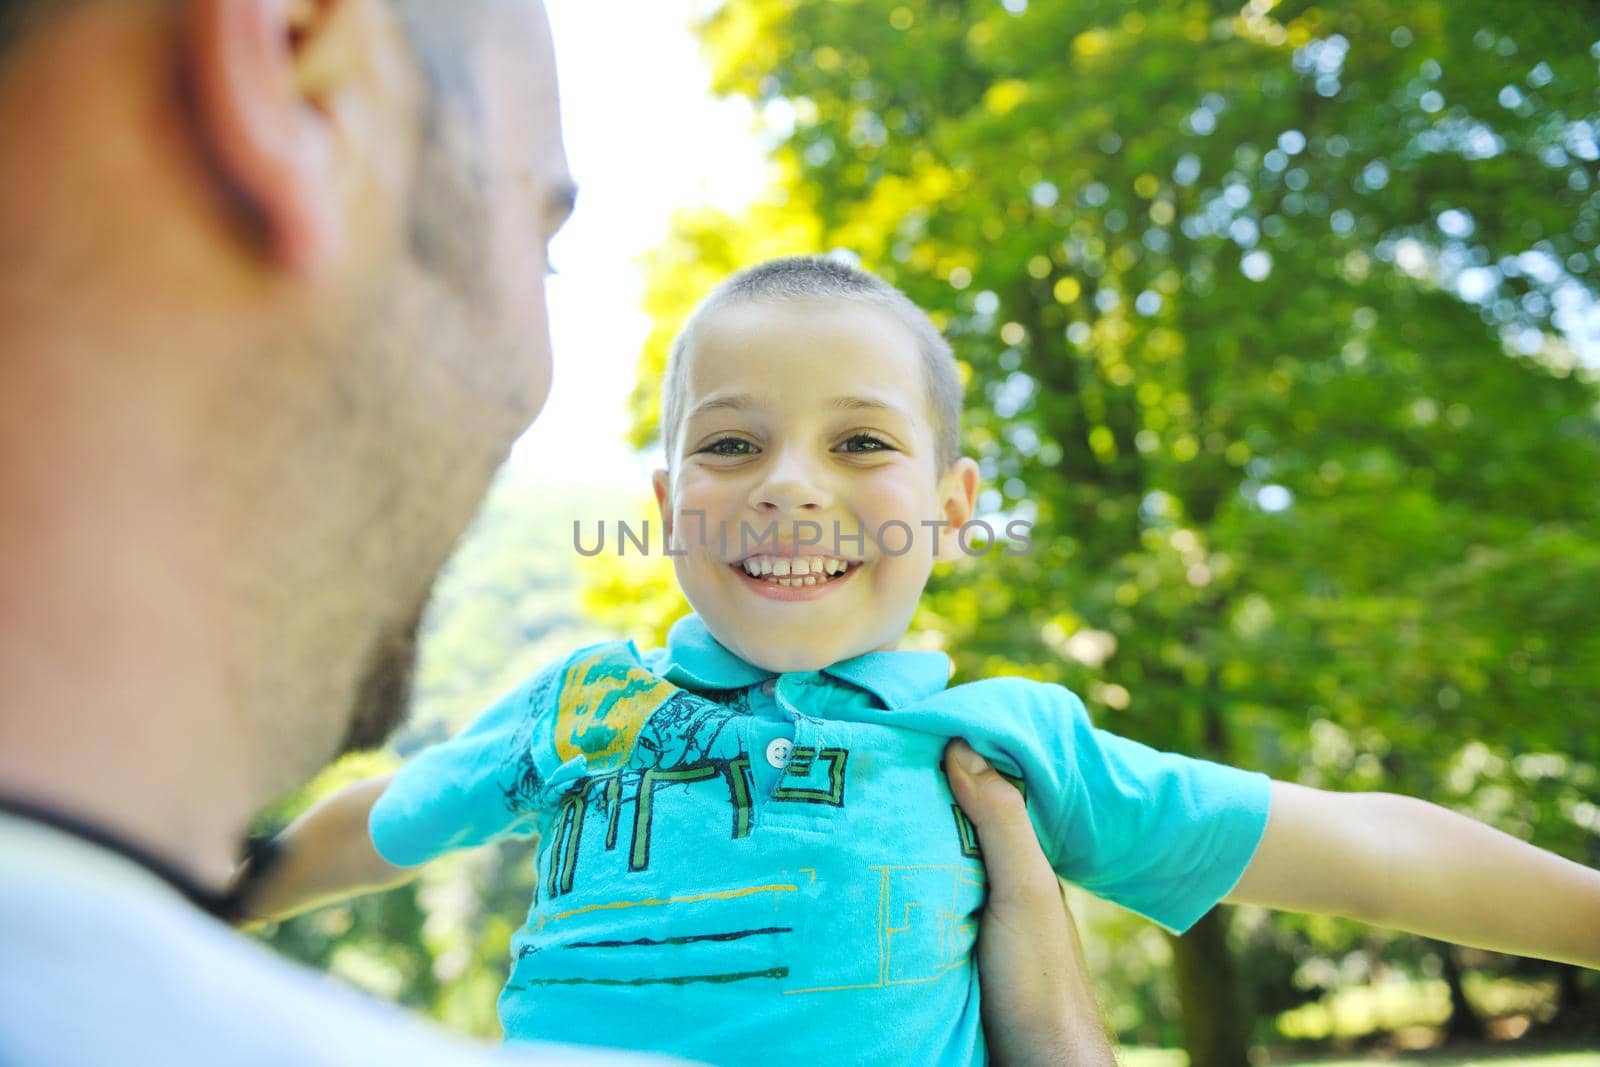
x: 769, y: 686
x: 778, y: 752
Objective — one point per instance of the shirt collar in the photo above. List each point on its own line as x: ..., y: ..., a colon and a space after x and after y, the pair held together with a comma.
x: 220, y: 904
x: 696, y: 660
x: 30, y: 849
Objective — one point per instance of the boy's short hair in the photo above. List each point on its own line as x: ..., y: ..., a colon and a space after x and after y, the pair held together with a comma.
x: 814, y: 277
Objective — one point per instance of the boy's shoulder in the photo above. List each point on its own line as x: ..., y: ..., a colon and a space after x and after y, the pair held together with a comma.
x: 1027, y: 704
x: 581, y: 676
x: 592, y: 702
x: 587, y: 664
x: 606, y: 658
x: 1014, y: 686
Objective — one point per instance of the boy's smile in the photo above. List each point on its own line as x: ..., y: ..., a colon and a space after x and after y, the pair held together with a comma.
x: 794, y: 577
x: 807, y: 441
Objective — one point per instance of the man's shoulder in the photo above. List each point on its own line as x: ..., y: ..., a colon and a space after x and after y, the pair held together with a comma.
x: 133, y: 975
x: 104, y: 964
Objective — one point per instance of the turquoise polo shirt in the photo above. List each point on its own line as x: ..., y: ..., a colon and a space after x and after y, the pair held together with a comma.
x: 735, y: 863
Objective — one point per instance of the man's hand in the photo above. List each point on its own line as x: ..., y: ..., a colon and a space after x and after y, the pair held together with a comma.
x: 1038, y: 1006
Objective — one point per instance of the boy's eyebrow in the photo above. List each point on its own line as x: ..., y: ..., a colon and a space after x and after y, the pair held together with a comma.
x: 731, y: 402
x: 866, y: 403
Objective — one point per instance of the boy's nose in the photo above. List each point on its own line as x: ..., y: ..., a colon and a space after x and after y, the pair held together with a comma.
x: 790, y: 485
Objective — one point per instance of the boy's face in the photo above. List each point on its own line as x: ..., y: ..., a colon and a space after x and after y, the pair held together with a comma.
x: 808, y: 411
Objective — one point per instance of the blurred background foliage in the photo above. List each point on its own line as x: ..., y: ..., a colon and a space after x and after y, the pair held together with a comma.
x: 1280, y: 324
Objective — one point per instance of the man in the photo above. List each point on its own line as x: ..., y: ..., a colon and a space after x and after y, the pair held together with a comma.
x: 271, y: 313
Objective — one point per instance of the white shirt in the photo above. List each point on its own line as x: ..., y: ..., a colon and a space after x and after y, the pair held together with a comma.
x: 103, y: 963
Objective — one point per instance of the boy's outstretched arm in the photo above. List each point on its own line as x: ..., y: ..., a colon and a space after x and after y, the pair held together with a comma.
x: 323, y: 856
x: 1404, y: 863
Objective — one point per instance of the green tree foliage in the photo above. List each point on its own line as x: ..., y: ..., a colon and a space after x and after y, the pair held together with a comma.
x: 1274, y: 319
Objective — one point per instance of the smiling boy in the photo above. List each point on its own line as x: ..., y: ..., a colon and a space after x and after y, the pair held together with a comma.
x: 798, y: 394
x: 751, y: 823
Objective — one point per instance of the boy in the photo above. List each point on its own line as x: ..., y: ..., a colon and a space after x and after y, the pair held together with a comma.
x: 748, y: 826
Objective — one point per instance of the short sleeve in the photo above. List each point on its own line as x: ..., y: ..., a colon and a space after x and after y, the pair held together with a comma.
x: 482, y: 785
x: 1165, y: 835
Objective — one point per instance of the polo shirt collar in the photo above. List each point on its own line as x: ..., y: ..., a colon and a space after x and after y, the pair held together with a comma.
x: 696, y: 660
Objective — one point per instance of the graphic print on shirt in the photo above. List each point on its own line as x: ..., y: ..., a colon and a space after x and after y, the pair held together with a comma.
x: 605, y: 702
x: 642, y: 738
x: 639, y: 734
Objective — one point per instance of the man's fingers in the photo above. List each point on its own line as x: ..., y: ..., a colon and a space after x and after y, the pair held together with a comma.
x: 1017, y: 868
x: 1038, y: 1008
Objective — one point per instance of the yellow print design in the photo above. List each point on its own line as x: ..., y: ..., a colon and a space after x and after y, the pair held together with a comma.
x: 605, y: 702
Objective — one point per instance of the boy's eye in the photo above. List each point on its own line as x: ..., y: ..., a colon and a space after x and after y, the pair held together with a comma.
x: 730, y: 446
x: 864, y: 442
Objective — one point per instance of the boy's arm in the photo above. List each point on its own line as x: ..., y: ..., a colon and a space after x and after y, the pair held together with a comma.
x: 323, y: 856
x: 1400, y: 862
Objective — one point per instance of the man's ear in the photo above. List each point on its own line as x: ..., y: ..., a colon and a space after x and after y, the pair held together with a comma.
x: 661, y: 482
x: 264, y: 130
x: 958, y: 495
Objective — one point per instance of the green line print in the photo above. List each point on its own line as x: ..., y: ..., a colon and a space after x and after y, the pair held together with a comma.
x: 741, y: 784
x: 644, y: 811
x: 966, y: 832
x: 684, y: 939
x: 614, y: 804
x: 564, y: 849
x: 679, y: 979
x: 800, y: 764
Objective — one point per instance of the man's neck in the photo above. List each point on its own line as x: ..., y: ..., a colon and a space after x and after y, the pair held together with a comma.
x: 114, y: 707
x: 165, y: 795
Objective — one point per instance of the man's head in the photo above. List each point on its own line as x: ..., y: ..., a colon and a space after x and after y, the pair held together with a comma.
x: 815, y: 401
x: 272, y: 294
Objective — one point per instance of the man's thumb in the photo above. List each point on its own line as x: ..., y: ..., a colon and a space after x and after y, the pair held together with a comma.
x: 996, y: 809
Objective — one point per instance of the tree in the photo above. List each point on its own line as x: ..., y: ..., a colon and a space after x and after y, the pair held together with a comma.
x: 1275, y: 322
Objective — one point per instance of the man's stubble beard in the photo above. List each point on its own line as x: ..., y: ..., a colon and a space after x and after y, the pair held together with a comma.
x: 431, y: 471
x: 383, y: 697
x: 447, y: 237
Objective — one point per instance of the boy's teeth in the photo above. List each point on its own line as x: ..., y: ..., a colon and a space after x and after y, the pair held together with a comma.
x: 796, y: 570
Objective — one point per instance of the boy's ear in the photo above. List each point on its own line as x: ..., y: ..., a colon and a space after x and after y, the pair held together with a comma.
x: 257, y: 72
x: 661, y: 482
x: 958, y: 495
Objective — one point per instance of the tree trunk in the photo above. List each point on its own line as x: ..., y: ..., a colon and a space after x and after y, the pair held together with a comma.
x: 1578, y: 1012
x: 1464, y: 1023
x: 1216, y: 1029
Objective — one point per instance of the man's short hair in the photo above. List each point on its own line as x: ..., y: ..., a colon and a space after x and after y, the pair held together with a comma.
x: 823, y: 278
